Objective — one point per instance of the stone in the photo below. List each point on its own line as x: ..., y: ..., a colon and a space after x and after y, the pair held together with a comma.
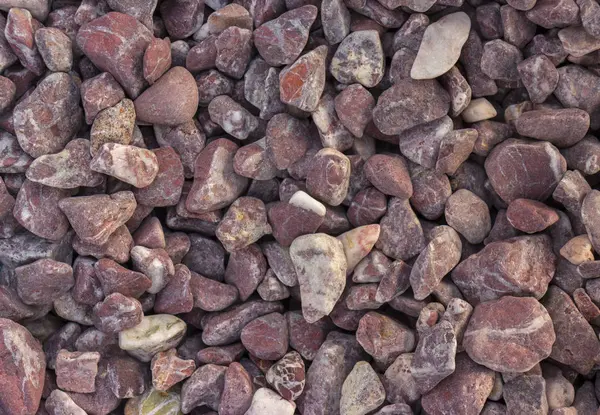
x: 266, y: 337
x: 287, y: 376
x: 527, y: 273
x: 479, y: 109
x: 401, y: 235
x: 55, y: 48
x: 271, y: 289
x: 421, y: 144
x: 126, y: 376
x: 366, y: 207
x: 113, y: 125
x: 359, y: 59
x: 329, y: 176
x: 431, y: 191
x: 229, y: 15
x: 168, y: 402
x: 95, y: 218
x: 244, y: 223
x: 252, y: 161
x: 354, y: 107
x: 206, y: 257
x: 433, y: 360
x: 500, y: 59
x: 509, y: 341
x: 115, y: 278
x: 20, y: 35
x: 226, y: 327
x: 23, y: 367
x: 261, y: 88
x: 157, y: 59
x: 12, y: 158
x: 230, y: 115
x: 436, y: 57
x: 171, y: 100
x: 204, y: 387
x: 459, y: 90
x: 155, y: 263
x: 469, y: 215
x: 156, y: 333
x: 36, y: 209
x: 518, y: 157
x: 301, y: 84
x: 267, y: 402
x: 315, y: 256
x: 122, y: 59
x: 578, y: 250
x: 87, y: 288
x: 325, y: 377
x: 549, y: 125
x: 99, y: 93
x: 464, y: 391
x: 589, y: 213
x: 490, y: 134
x: 419, y: 102
x: 130, y: 164
x: 399, y: 383
x: 117, y: 313
x: 221, y: 355
x: 332, y: 132
x: 281, y: 40
x: 67, y: 169
x: 43, y: 281
x: 560, y: 393
x: 454, y: 149
x: 440, y: 256
x: 47, y: 119
x: 576, y: 344
x: 286, y: 140
x: 76, y: 371
x: 169, y: 369
x: 539, y: 76
x: 335, y: 20
x: 61, y: 403
x: 245, y: 270
x: 530, y: 216
x: 237, y: 391
x: 362, y: 391
x: 383, y: 337
x: 518, y: 29
x: 234, y: 50
x: 306, y: 338
x: 389, y: 175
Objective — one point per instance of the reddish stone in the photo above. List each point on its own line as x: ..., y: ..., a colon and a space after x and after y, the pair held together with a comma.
x: 289, y: 221
x: 246, y: 269
x: 401, y: 232
x: 157, y: 59
x: 332, y: 132
x: 43, y: 281
x: 177, y: 246
x: 55, y: 48
x: 103, y: 401
x: 117, y: 313
x: 76, y: 371
x: 210, y: 295
x: 234, y: 50
x: 234, y: 118
x: 98, y: 93
x: 177, y: 296
x: 186, y: 139
x: 302, y: 83
x: 520, y: 266
x: 58, y: 402
x: 287, y: 376
x: 182, y: 19
x: 126, y: 377
x: 20, y: 34
x: 168, y: 369
x: 229, y: 15
x: 206, y: 257
x: 95, y: 218
x: 12, y: 158
x: 354, y: 107
x: 203, y: 55
x: 530, y: 216
x: 165, y: 189
x: 384, y: 338
x: 47, y: 119
x: 37, y: 209
x: 329, y: 176
x: 204, y: 387
x: 389, y: 175
x: 22, y: 368
x: 237, y: 391
x: 522, y: 334
x: 116, y: 248
x: 266, y: 337
x: 155, y: 263
x: 115, y: 278
x: 221, y: 355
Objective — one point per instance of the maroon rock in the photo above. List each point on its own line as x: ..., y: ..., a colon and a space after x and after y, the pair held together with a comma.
x: 43, y: 281
x: 226, y: 327
x: 117, y: 313
x: 20, y: 34
x: 589, y: 216
x: 384, y: 338
x: 202, y: 56
x: 289, y: 221
x: 266, y: 337
x: 204, y: 387
x: 47, y: 119
x: 211, y: 84
x: 306, y: 338
x: 530, y: 216
x: 367, y: 206
x: 329, y: 176
x: 126, y: 376
x: 186, y: 139
x: 168, y: 369
x: 389, y: 174
x: 287, y: 376
x: 116, y: 279
x: 490, y: 134
x: 234, y: 50
x: 87, y: 288
x: 210, y: 295
x: 261, y: 88
x: 246, y: 269
x: 98, y: 93
x: 205, y: 257
x: 95, y: 218
x: 237, y: 391
x: 58, y: 402
x: 331, y: 130
x: 234, y: 118
x: 121, y: 52
x: 527, y: 162
x: 55, y: 48
x: 521, y: 338
x: 401, y: 232
x: 420, y: 102
x: 302, y: 83
x: 157, y: 59
x: 286, y: 140
x: 576, y: 344
x: 76, y: 371
x: 116, y: 248
x: 165, y: 189
x: 37, y: 210
x: 103, y: 401
x: 221, y: 355
x: 354, y: 107
x: 177, y: 246
x: 177, y: 296
x: 182, y: 19
x: 281, y: 40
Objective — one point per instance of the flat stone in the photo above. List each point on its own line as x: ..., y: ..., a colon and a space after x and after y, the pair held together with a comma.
x: 43, y: 281
x: 441, y: 46
x: 76, y: 371
x: 521, y: 266
x: 526, y: 394
x: 156, y: 333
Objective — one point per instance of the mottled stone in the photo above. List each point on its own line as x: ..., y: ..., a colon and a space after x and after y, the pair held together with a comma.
x: 113, y: 125
x: 359, y: 58
x: 315, y: 256
x: 469, y: 215
x: 526, y: 394
x: 221, y: 355
x: 234, y: 118
x: 36, y: 208
x: 43, y: 281
x: 168, y: 369
x: 384, y: 338
x: 157, y: 59
x: 115, y: 278
x: 518, y: 266
x: 237, y: 391
x: 76, y: 371
x: 155, y: 263
x: 576, y: 344
x: 401, y: 234
x: 421, y: 144
x: 182, y: 18
x: 281, y: 40
x: 169, y: 403
x: 409, y: 103
x: 301, y: 84
x: 55, y: 48
x: 47, y: 119
x: 440, y: 256
x: 261, y: 88
x: 20, y: 35
x: 59, y: 403
x: 99, y: 93
x: 117, y: 313
x: 331, y: 130
x: 234, y: 50
x: 287, y: 376
x: 335, y: 20
x: 456, y: 147
x: 539, y: 76
x: 510, y: 168
x: 362, y: 391
x: 126, y: 376
x: 286, y: 140
x: 306, y: 338
x: 530, y: 216
x: 549, y: 125
x: 156, y: 333
x: 500, y: 59
x: 204, y: 387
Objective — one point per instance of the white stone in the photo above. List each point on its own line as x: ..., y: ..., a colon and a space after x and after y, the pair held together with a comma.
x: 130, y: 164
x: 305, y: 201
x: 267, y: 402
x: 478, y: 110
x: 358, y: 242
x: 320, y: 264
x: 362, y: 391
x: 154, y: 334
x: 441, y: 46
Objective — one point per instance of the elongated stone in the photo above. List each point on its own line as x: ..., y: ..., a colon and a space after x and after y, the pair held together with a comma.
x: 131, y: 164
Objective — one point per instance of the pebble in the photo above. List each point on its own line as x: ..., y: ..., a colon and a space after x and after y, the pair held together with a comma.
x: 362, y: 391
x: 436, y: 57
x: 155, y: 333
x: 359, y: 58
x: 302, y: 83
x: 267, y: 402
